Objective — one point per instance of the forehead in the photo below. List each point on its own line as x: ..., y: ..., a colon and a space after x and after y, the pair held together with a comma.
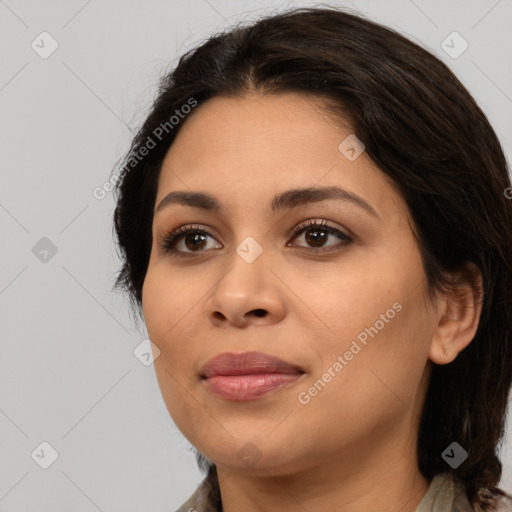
x: 250, y: 148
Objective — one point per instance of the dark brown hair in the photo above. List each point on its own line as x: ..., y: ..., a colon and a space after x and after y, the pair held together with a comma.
x: 423, y: 129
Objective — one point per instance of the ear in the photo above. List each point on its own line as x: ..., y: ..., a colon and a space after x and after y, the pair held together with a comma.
x: 458, y: 316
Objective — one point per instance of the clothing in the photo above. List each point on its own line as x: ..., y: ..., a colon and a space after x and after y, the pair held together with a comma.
x: 445, y: 494
x: 198, y: 502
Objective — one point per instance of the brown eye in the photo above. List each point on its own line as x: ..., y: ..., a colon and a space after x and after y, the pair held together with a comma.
x: 187, y: 239
x: 316, y: 235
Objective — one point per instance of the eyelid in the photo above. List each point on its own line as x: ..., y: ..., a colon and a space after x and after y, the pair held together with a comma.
x: 320, y: 222
x: 170, y: 238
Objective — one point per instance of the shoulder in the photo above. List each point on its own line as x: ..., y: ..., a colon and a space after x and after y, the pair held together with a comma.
x: 500, y: 504
x: 504, y: 504
x: 199, y: 501
x: 448, y: 493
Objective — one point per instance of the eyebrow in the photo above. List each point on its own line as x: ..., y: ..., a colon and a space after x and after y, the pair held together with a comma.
x: 288, y: 199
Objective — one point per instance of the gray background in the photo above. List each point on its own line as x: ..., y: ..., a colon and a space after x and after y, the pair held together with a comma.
x: 68, y: 375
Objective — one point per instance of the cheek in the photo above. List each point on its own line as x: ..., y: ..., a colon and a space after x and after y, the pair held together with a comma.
x: 165, y: 315
x: 377, y: 321
x: 343, y: 302
x: 375, y: 388
x: 166, y: 302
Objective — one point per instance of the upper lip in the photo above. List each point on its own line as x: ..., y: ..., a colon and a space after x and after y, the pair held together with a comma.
x: 246, y: 363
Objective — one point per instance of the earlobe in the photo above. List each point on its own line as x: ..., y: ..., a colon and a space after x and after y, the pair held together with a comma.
x: 458, y: 316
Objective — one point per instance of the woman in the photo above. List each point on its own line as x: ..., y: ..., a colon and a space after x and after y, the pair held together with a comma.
x: 315, y: 225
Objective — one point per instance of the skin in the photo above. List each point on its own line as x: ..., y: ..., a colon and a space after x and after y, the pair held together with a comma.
x: 352, y: 447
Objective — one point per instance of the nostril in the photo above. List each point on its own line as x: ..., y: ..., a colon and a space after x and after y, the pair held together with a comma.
x: 260, y: 312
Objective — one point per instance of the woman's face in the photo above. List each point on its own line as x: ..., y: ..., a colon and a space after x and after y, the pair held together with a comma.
x: 344, y: 302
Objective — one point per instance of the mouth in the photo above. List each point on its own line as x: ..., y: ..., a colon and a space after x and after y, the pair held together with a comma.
x: 248, y: 376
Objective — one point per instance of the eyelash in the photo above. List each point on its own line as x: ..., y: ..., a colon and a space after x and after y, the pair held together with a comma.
x: 171, y: 239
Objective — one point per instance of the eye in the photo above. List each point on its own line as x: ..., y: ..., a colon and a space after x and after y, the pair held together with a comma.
x: 317, y: 233
x: 190, y: 237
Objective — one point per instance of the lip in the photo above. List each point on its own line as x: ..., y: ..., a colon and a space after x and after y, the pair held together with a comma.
x: 247, y: 376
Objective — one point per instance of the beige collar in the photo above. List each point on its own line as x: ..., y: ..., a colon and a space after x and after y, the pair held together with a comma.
x: 444, y: 494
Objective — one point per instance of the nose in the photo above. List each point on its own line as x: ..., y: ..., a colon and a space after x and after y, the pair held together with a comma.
x: 247, y: 294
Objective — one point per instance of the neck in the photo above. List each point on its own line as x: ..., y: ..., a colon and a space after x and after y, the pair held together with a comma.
x: 373, y: 479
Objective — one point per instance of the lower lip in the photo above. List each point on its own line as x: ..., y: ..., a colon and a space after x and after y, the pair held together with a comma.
x: 248, y: 387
